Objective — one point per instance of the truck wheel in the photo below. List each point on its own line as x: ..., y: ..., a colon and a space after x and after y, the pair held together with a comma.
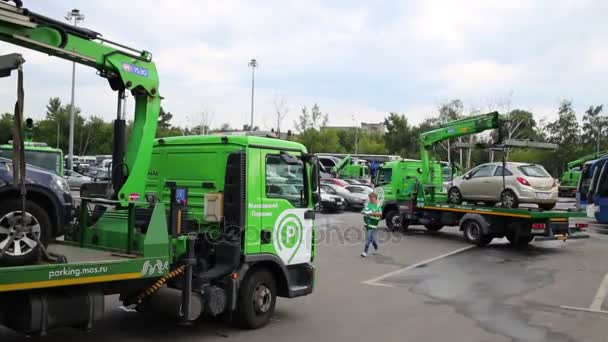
x: 257, y: 300
x: 473, y: 233
x: 547, y: 206
x: 24, y: 249
x: 509, y: 199
x: 393, y: 220
x: 433, y: 227
x: 454, y: 196
x: 521, y: 241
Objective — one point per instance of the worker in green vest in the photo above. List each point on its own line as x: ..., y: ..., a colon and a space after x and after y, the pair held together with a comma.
x: 372, y: 213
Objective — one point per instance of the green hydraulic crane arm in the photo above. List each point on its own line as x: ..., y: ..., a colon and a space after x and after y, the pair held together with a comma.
x: 125, y: 68
x: 586, y: 158
x: 342, y: 164
x: 454, y: 129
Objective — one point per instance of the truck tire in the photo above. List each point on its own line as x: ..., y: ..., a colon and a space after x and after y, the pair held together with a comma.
x: 473, y: 233
x: 454, y: 196
x: 520, y: 241
x: 546, y: 206
x: 433, y: 227
x: 393, y: 220
x: 509, y: 199
x: 257, y: 299
x: 24, y: 250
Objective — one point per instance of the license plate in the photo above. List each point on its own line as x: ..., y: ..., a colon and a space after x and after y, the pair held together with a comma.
x: 543, y: 195
x: 561, y: 237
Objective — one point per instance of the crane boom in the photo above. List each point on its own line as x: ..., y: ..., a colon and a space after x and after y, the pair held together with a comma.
x: 467, y: 126
x: 586, y: 158
x: 125, y: 68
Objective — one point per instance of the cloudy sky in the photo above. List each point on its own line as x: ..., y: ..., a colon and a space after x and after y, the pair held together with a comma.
x: 353, y: 58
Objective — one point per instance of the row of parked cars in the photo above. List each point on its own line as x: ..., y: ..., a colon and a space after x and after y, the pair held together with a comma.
x: 344, y: 194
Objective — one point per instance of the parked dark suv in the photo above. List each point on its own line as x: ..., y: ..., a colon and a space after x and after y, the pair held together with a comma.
x: 49, y: 209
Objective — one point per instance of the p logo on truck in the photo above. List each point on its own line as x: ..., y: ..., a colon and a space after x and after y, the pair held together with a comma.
x: 289, y: 235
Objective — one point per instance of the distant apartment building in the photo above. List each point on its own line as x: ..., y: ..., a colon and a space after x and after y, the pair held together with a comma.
x: 376, y: 128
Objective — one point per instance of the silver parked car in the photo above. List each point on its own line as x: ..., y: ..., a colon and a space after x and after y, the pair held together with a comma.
x: 523, y: 183
x: 75, y: 179
x: 355, y: 199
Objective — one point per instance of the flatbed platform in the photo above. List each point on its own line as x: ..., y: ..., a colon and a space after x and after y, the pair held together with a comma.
x: 83, y: 266
x: 524, y: 213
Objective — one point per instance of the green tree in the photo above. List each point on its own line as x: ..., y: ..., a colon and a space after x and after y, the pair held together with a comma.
x: 164, y: 119
x: 594, y: 128
x: 400, y: 138
x: 6, y: 128
x: 309, y: 125
x: 565, y: 132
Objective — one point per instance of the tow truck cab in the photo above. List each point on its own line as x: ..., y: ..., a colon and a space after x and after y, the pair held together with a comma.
x: 259, y: 186
x: 39, y: 155
x: 396, y: 181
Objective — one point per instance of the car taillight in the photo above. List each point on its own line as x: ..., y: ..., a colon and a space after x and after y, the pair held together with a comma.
x: 538, y: 226
x: 581, y: 226
x: 523, y: 181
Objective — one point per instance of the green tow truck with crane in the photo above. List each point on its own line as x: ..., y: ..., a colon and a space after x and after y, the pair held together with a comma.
x: 348, y: 168
x: 423, y: 201
x: 201, y: 217
x: 570, y: 178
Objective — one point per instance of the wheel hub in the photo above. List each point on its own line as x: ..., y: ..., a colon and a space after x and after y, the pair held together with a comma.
x: 23, y: 231
x: 262, y: 298
x: 396, y: 221
x: 474, y: 231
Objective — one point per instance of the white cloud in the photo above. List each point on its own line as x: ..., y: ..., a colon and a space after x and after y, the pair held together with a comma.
x: 483, y: 77
x: 352, y: 58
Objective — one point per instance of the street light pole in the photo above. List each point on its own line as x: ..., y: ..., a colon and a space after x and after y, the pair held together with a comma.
x: 253, y: 64
x: 356, y: 135
x: 73, y: 16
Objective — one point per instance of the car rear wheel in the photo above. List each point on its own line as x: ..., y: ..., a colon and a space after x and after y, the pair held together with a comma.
x: 454, y: 196
x: 18, y: 233
x: 509, y: 199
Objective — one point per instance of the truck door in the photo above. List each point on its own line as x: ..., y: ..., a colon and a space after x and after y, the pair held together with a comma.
x: 286, y: 207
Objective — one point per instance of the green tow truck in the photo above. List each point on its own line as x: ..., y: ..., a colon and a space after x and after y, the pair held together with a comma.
x: 192, y: 225
x: 36, y: 153
x: 421, y: 199
x: 569, y: 181
x: 348, y: 168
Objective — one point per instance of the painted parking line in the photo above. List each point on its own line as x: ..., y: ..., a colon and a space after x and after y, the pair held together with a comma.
x: 377, y: 281
x: 596, y: 305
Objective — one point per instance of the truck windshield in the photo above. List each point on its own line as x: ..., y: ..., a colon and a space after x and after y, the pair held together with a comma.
x: 602, y: 182
x: 49, y: 161
x: 384, y: 176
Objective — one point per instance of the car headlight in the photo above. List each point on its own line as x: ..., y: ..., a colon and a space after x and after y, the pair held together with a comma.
x: 60, y: 185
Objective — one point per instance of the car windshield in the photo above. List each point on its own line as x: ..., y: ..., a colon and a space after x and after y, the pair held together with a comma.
x: 328, y: 189
x: 355, y: 189
x: 50, y: 161
x: 534, y: 171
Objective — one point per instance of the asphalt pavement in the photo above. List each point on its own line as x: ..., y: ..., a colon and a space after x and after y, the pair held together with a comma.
x: 420, y: 287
